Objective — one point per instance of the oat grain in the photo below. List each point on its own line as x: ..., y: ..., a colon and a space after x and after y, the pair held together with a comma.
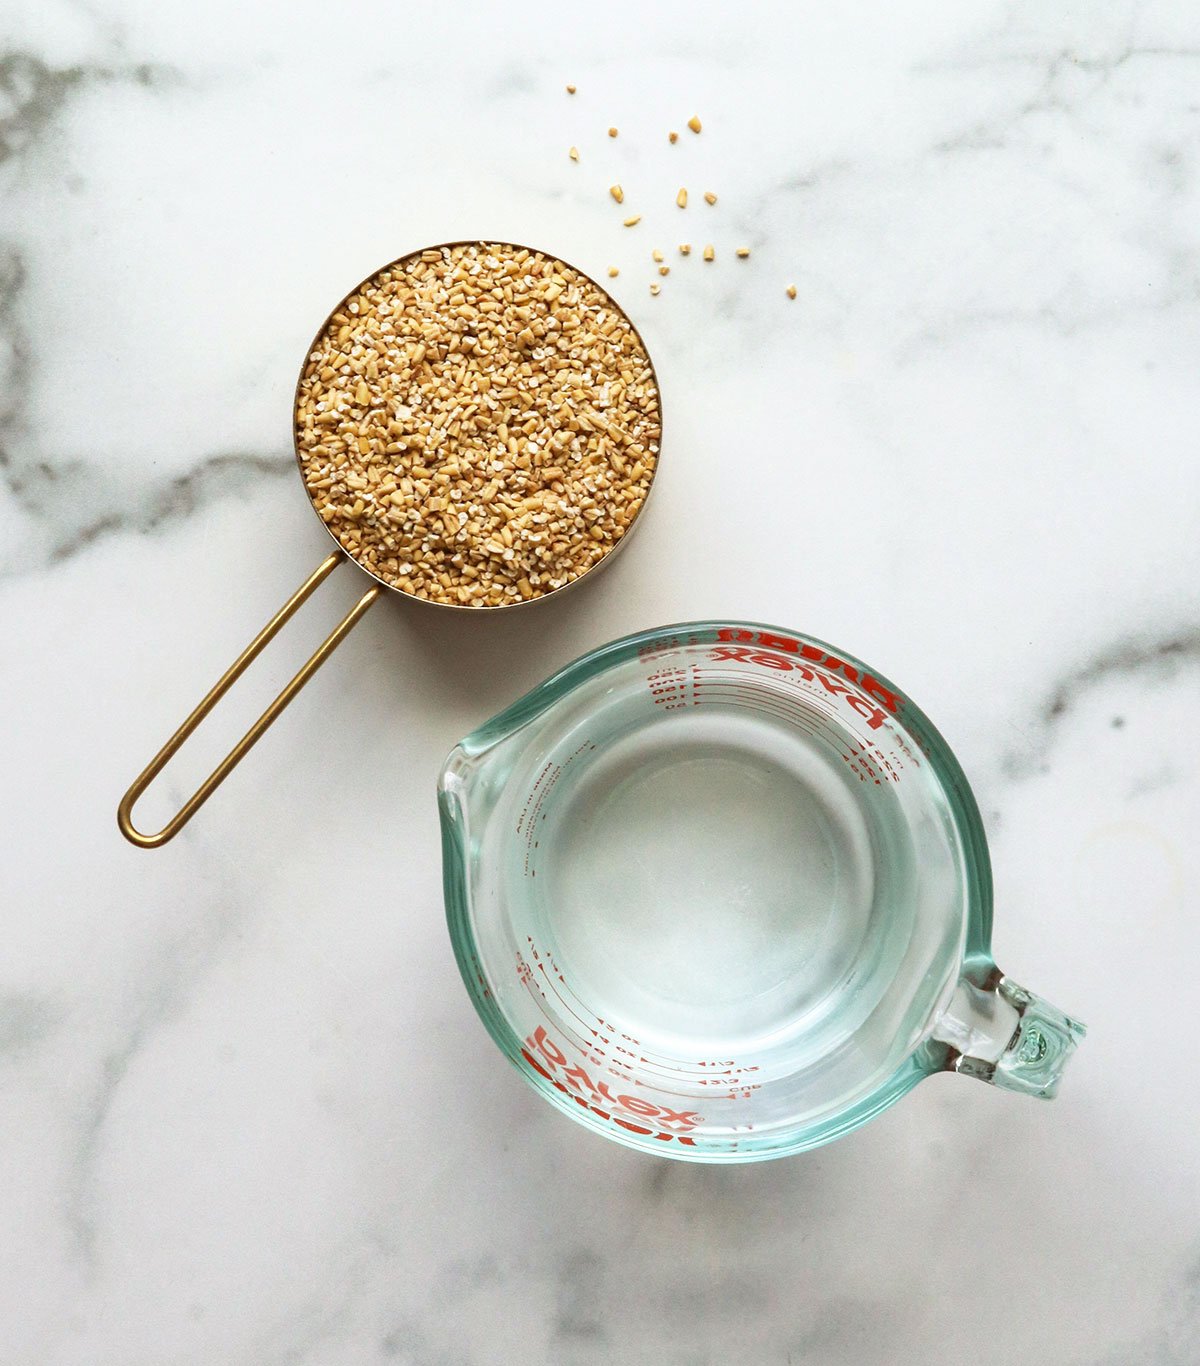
x: 509, y: 430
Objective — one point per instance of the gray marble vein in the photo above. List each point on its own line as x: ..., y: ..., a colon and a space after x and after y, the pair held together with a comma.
x: 33, y: 93
x: 74, y: 502
x: 1158, y: 661
x: 177, y: 966
x: 153, y: 508
x: 24, y: 1022
x: 1056, y: 91
x: 1173, y: 1341
x: 1067, y: 313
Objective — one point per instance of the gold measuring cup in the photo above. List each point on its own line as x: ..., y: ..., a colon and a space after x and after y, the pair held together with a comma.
x: 313, y: 582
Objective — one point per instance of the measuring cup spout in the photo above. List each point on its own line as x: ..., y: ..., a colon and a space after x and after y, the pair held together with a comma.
x: 1000, y: 1033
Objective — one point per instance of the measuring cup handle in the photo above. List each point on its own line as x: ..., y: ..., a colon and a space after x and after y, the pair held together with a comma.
x: 226, y: 681
x: 1000, y: 1033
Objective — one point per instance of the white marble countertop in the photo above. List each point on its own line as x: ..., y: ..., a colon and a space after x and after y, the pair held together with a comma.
x: 249, y: 1115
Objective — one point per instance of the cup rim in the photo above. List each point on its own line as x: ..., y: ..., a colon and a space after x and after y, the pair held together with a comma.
x: 968, y: 823
x: 404, y: 259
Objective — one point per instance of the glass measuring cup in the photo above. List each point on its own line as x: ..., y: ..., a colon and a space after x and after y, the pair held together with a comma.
x: 538, y: 318
x: 721, y: 892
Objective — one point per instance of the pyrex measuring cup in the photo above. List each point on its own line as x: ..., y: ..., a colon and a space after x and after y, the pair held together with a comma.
x: 343, y: 315
x: 721, y: 892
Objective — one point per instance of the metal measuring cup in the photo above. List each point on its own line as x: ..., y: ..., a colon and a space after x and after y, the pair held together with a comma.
x: 314, y: 581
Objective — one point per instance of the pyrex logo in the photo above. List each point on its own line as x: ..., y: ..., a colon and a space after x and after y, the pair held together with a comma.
x: 545, y: 1056
x: 785, y: 654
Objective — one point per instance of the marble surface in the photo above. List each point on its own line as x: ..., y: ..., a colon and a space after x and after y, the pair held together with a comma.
x: 249, y: 1115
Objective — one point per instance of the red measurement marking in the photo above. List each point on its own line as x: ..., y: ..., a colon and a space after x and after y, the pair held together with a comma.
x: 580, y: 1043
x: 814, y: 705
x: 669, y: 688
x: 866, y: 685
x: 814, y: 720
x: 873, y: 714
x: 562, y: 999
x: 547, y: 1058
x: 748, y: 695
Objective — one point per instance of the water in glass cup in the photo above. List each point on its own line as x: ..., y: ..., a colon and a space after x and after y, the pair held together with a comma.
x: 719, y: 882
x: 721, y: 889
x: 707, y: 861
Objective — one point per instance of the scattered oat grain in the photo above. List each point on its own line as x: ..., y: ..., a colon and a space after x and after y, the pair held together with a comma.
x: 743, y: 252
x: 613, y: 272
x: 681, y: 199
x: 570, y: 90
x: 617, y: 193
x: 694, y: 124
x: 664, y: 270
x: 612, y: 132
x: 656, y: 254
x: 709, y: 253
x: 574, y: 154
x: 672, y: 137
x: 709, y: 197
x: 791, y: 291
x: 654, y: 290
x: 633, y: 220
x: 685, y: 248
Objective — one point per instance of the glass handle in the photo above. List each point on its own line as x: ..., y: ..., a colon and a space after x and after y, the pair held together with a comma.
x: 1001, y: 1033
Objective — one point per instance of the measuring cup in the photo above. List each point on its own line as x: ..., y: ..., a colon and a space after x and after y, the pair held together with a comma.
x: 721, y: 892
x: 318, y: 576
